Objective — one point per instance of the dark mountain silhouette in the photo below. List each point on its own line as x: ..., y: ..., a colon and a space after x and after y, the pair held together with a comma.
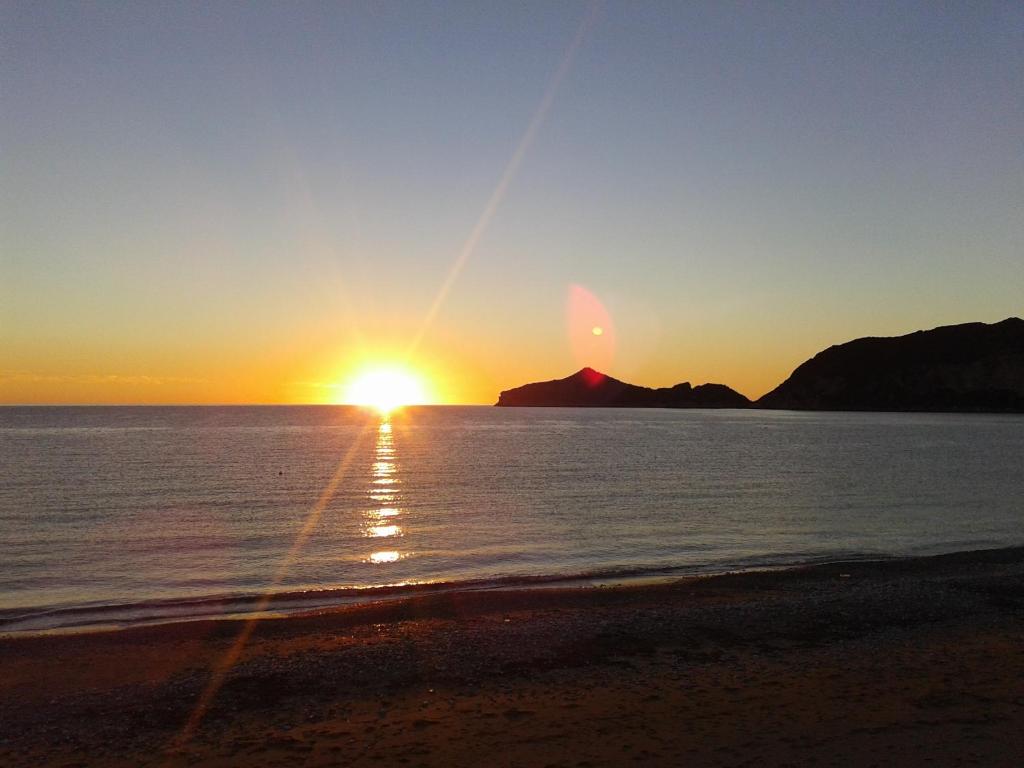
x: 969, y: 367
x: 593, y: 389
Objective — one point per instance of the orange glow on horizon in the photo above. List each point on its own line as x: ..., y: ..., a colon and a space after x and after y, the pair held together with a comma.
x: 467, y: 365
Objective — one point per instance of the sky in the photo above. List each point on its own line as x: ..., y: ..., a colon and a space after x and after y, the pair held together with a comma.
x: 248, y: 203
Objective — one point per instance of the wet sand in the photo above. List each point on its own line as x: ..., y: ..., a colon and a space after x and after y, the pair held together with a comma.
x: 913, y: 662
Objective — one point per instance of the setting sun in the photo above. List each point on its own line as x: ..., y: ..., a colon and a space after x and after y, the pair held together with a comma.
x: 385, y: 388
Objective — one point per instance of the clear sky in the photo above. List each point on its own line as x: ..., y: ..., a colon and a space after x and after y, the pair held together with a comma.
x: 228, y: 202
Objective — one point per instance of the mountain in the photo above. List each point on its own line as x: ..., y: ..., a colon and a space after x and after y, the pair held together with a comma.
x: 969, y: 367
x: 591, y: 388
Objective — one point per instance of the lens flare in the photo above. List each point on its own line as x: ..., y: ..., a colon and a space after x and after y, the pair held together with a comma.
x: 590, y: 330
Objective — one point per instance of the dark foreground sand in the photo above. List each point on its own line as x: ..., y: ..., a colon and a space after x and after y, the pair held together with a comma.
x: 917, y: 662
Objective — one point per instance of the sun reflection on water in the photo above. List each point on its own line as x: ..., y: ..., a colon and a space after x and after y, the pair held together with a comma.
x: 383, y: 521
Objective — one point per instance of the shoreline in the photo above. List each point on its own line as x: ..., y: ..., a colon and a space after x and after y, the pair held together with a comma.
x: 921, y: 656
x: 297, y: 602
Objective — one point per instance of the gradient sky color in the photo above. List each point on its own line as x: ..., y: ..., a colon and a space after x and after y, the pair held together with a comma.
x: 221, y: 202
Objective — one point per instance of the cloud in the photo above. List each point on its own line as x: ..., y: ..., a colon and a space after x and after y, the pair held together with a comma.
x: 31, y: 377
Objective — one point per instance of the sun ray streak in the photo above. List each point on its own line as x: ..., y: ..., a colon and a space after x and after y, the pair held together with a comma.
x: 232, y: 655
x: 507, y: 176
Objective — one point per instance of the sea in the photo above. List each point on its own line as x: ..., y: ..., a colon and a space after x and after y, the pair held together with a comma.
x: 117, y: 516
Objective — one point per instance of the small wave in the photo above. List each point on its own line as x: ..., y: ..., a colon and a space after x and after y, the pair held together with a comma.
x: 90, y: 616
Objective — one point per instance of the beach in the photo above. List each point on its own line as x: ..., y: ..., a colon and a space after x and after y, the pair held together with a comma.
x: 917, y: 661
x: 515, y: 385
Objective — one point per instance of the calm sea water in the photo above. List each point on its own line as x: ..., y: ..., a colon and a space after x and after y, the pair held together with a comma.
x: 117, y: 515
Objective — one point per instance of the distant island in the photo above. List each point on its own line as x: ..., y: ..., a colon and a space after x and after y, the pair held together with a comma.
x: 591, y: 388
x: 975, y: 367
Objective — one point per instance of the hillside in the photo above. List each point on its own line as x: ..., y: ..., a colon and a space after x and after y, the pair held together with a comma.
x: 969, y: 367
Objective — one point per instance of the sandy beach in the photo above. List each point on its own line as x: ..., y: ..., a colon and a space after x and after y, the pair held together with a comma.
x: 914, y: 662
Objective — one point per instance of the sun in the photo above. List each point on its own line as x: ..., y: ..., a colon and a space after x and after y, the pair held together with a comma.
x: 385, y: 388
